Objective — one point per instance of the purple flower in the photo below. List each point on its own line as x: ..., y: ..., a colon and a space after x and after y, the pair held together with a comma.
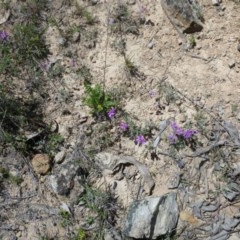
x: 176, y: 129
x: 189, y: 133
x: 151, y: 93
x: 172, y: 138
x: 73, y: 62
x: 123, y: 126
x: 111, y: 21
x: 111, y: 113
x: 174, y: 125
x: 3, y: 35
x: 142, y: 9
x: 140, y: 140
x: 45, y: 65
x: 179, y: 132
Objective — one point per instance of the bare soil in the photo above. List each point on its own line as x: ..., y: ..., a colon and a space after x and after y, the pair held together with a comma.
x: 168, y: 83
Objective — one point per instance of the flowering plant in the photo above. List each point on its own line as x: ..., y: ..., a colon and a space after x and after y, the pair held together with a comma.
x: 99, y: 101
x: 123, y: 126
x: 140, y: 140
x: 111, y: 113
x: 3, y: 36
x: 180, y: 133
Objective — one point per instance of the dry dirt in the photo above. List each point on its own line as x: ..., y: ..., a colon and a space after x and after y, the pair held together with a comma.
x: 206, y: 76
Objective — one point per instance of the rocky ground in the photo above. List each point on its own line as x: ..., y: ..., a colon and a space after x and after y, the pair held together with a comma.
x: 110, y: 129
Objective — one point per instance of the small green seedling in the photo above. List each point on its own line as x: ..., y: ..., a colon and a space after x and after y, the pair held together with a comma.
x: 5, y: 174
x: 66, y: 218
x: 53, y: 143
x: 81, y: 235
x: 129, y: 66
x: 192, y: 41
x: 98, y: 100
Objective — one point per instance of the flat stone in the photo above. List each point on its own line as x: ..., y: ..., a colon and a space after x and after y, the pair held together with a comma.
x: 67, y: 178
x: 152, y: 217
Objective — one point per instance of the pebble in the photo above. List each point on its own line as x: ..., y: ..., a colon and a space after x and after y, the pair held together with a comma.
x: 215, y: 2
x: 231, y: 63
x: 150, y: 45
x: 131, y: 2
x: 65, y: 208
x: 61, y: 41
x: 76, y: 37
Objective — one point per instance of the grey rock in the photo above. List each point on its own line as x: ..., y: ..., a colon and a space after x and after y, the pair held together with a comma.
x: 150, y: 45
x: 76, y: 37
x: 233, y: 132
x: 59, y: 157
x: 184, y: 15
x: 230, y: 223
x: 215, y: 2
x: 112, y: 234
x: 207, y: 207
x: 231, y: 191
x: 68, y: 175
x: 174, y: 180
x: 223, y: 235
x: 65, y: 208
x: 152, y: 217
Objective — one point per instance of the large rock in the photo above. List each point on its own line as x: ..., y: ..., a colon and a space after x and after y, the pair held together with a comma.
x: 68, y: 177
x: 152, y: 217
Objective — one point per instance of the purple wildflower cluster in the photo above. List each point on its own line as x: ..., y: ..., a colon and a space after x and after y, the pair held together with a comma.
x: 45, y: 65
x: 111, y: 113
x: 3, y: 36
x: 179, y: 132
x: 140, y: 140
x: 123, y: 126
